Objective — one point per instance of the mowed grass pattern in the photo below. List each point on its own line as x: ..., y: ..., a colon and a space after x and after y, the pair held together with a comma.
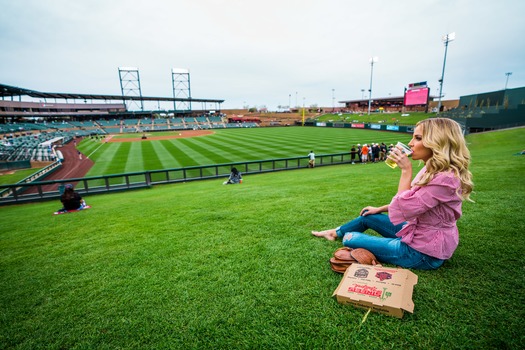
x: 227, y: 146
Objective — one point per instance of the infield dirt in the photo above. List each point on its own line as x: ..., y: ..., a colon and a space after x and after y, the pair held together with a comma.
x: 152, y: 137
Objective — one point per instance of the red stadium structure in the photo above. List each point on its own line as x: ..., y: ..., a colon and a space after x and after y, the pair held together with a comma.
x: 243, y: 119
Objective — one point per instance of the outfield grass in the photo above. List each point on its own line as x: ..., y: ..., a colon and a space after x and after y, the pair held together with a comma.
x: 227, y: 146
x: 201, y: 265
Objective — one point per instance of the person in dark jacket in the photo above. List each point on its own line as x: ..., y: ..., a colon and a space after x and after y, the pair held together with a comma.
x: 71, y: 199
x: 353, y: 153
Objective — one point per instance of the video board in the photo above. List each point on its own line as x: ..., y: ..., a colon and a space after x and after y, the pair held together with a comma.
x: 416, y: 97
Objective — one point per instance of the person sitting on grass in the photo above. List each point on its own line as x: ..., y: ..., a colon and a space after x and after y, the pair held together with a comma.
x: 235, y: 177
x: 420, y: 229
x: 71, y: 199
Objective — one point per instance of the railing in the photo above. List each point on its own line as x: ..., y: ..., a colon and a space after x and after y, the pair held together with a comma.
x: 47, y: 190
x: 18, y: 187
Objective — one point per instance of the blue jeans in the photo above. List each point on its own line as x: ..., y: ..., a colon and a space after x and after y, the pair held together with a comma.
x: 387, y: 249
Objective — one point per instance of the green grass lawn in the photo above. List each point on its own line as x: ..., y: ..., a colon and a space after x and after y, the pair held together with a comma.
x: 17, y: 175
x: 202, y: 265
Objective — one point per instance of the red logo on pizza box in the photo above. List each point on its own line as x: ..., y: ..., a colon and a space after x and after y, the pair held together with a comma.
x: 383, y: 275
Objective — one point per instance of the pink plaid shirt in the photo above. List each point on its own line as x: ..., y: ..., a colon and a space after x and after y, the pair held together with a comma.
x: 431, y: 212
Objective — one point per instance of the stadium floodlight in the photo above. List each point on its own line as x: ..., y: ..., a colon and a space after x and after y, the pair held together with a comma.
x: 508, y: 74
x: 372, y: 61
x: 128, y: 68
x: 180, y: 79
x: 180, y: 70
x: 130, y: 86
x: 446, y: 39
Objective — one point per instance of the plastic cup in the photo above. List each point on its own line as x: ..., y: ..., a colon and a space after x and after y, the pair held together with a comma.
x: 404, y: 148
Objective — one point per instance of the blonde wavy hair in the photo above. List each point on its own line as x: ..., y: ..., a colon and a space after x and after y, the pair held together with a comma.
x: 449, y: 152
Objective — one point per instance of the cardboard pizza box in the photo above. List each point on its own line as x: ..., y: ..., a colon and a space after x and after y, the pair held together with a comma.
x: 386, y: 290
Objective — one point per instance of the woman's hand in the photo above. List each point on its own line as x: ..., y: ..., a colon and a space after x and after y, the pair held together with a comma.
x: 373, y: 210
x: 400, y: 158
x: 369, y: 210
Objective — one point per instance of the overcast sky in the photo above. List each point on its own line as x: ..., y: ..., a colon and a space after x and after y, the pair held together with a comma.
x: 263, y: 53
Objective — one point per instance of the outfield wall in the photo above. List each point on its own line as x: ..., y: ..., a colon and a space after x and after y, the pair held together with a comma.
x: 369, y: 126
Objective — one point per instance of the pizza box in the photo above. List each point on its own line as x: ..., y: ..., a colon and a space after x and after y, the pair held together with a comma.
x: 386, y: 290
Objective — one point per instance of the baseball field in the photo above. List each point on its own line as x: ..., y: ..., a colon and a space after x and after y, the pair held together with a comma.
x: 130, y: 153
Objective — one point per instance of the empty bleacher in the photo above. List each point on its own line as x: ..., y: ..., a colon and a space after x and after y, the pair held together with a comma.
x: 22, y: 141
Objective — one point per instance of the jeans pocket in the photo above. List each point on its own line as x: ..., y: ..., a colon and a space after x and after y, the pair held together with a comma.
x: 427, y: 263
x: 419, y: 261
x: 433, y: 263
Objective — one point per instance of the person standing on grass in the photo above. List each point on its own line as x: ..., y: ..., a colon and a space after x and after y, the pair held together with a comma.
x: 375, y: 152
x: 353, y: 154
x: 420, y: 229
x: 364, y: 153
x: 382, y: 152
x: 311, y: 162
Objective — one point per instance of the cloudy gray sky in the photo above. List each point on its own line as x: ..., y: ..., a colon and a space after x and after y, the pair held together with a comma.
x: 263, y: 53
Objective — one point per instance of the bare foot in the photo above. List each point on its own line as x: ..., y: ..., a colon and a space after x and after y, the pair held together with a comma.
x: 330, y: 235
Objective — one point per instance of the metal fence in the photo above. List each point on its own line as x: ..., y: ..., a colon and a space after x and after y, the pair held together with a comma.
x: 23, y: 192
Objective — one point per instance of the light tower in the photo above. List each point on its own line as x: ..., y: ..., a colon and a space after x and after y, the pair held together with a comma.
x: 372, y: 61
x: 446, y: 39
x: 130, y: 86
x: 333, y: 100
x: 508, y: 74
x: 180, y: 79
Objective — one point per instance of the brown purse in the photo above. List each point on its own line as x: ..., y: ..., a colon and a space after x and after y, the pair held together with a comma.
x: 344, y: 257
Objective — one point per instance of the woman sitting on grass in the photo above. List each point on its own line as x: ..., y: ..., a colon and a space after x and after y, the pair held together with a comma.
x: 420, y: 229
x: 71, y: 199
x: 235, y: 177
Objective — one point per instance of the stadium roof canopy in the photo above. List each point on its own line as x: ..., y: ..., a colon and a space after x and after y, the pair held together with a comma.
x: 11, y: 91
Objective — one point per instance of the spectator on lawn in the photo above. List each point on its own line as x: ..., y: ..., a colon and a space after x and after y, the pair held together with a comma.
x: 376, y: 150
x: 71, y: 199
x: 364, y: 153
x: 311, y: 162
x: 420, y: 229
x: 382, y: 152
x: 353, y: 153
x: 235, y: 177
